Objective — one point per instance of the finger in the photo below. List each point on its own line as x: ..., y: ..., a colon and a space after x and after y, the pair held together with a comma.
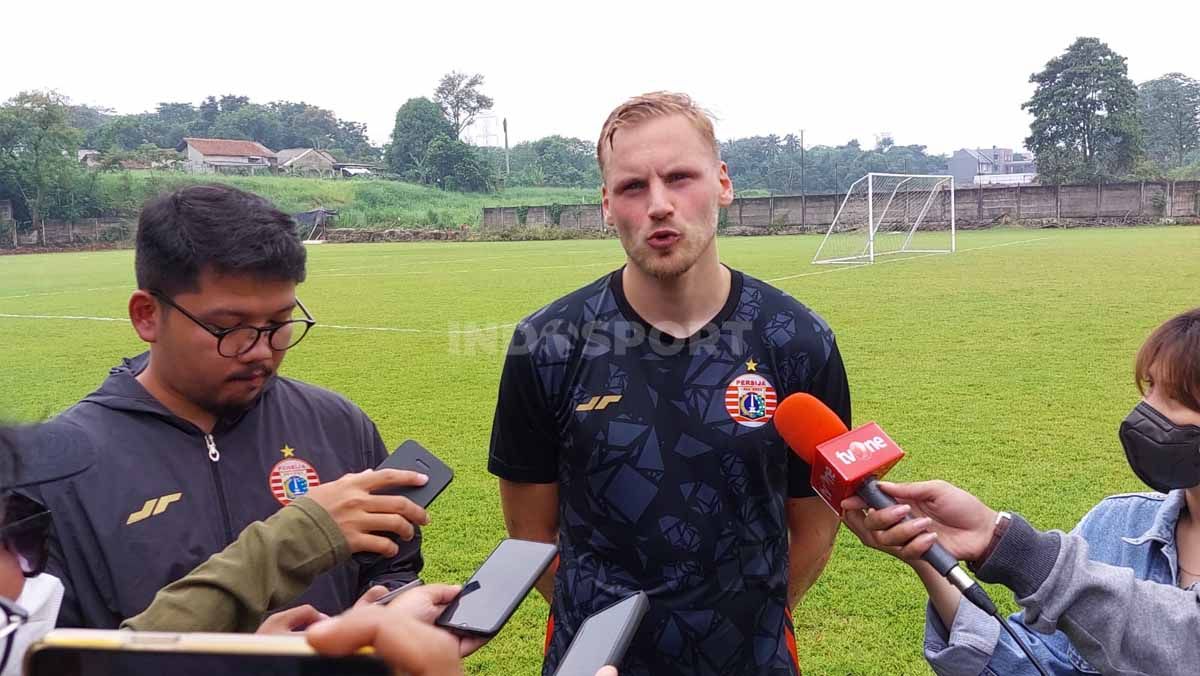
x: 374, y: 544
x: 371, y: 595
x: 437, y: 594
x: 853, y: 502
x: 469, y: 644
x: 854, y: 521
x: 607, y: 671
x: 902, y: 533
x: 386, y: 523
x: 882, y: 519
x: 915, y: 491
x: 382, y: 478
x: 347, y: 632
x: 917, y: 547
x: 396, y: 504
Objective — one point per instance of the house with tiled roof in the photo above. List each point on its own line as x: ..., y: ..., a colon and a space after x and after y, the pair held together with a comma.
x: 209, y: 155
x: 306, y: 161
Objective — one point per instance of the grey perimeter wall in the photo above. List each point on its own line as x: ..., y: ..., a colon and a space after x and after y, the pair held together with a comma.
x: 974, y: 207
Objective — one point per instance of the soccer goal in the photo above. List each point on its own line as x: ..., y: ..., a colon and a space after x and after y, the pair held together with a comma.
x: 888, y: 214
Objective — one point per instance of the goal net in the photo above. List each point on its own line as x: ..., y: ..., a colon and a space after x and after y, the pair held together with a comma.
x: 888, y: 214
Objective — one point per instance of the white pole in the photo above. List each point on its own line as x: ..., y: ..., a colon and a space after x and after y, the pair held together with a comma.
x: 953, y: 236
x: 871, y: 217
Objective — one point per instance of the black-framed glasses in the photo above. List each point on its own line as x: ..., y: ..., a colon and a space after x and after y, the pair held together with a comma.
x: 25, y: 533
x: 13, y: 618
x: 238, y: 340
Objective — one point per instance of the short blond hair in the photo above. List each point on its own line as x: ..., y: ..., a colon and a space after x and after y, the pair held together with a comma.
x: 650, y: 106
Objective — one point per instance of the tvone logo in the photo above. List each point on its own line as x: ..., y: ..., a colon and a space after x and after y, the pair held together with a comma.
x: 860, y: 450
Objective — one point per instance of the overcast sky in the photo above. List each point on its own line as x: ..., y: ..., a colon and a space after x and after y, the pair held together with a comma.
x: 946, y: 75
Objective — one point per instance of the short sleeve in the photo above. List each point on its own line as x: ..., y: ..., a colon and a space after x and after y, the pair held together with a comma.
x: 525, y: 442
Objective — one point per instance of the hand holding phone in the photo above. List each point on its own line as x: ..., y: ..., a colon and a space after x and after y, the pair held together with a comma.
x: 412, y: 457
x: 493, y: 593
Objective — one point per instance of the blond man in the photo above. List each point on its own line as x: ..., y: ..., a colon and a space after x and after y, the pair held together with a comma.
x: 633, y: 421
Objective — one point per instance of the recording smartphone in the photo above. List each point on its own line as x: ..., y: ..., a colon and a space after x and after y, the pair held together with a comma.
x: 411, y: 456
x: 493, y: 593
x: 604, y: 637
x: 387, y: 598
x: 98, y: 652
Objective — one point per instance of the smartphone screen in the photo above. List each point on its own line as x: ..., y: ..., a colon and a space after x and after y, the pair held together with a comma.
x: 68, y: 661
x: 604, y: 637
x: 489, y: 598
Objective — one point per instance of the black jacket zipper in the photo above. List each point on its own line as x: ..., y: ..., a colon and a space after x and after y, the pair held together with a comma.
x: 215, y: 456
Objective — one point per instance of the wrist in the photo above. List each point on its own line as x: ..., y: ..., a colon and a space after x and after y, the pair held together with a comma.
x: 1000, y: 524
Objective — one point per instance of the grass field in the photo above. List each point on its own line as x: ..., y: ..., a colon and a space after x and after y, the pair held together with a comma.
x: 1005, y: 368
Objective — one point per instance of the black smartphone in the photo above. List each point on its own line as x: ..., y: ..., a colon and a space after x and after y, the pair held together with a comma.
x: 604, y: 637
x: 387, y: 598
x: 90, y: 652
x: 412, y: 456
x: 493, y: 593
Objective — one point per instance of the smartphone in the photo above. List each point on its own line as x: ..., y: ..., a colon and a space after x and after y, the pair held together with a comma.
x: 414, y: 457
x: 604, y: 637
x: 411, y: 456
x: 493, y: 593
x: 98, y: 652
x: 387, y: 598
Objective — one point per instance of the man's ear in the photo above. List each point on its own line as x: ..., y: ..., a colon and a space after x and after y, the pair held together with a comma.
x: 604, y: 213
x: 146, y: 315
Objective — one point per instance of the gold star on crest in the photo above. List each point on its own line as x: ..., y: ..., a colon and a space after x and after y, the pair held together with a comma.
x: 287, y: 451
x: 752, y: 366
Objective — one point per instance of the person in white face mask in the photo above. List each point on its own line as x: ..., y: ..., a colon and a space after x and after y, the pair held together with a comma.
x: 29, y: 597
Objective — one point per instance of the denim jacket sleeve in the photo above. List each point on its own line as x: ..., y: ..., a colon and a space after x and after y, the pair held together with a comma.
x: 975, y: 646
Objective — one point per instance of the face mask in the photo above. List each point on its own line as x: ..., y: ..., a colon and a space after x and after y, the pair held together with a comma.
x: 40, y: 597
x: 1165, y: 456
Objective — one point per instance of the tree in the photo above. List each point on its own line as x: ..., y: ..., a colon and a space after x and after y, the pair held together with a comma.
x: 1169, y: 108
x: 460, y: 99
x: 418, y: 122
x: 1085, y: 125
x: 453, y: 165
x: 37, y: 147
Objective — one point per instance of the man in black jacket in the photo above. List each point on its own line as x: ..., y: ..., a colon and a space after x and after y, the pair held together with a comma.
x: 200, y: 437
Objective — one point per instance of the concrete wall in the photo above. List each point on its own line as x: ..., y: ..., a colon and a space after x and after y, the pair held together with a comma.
x: 974, y: 206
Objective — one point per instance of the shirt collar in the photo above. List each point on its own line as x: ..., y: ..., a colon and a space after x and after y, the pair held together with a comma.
x: 1162, y: 528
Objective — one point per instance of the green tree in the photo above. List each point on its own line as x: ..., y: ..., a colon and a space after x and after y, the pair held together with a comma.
x: 460, y: 99
x: 37, y: 147
x: 1169, y: 108
x: 250, y: 121
x: 451, y: 164
x: 418, y: 122
x: 1084, y: 108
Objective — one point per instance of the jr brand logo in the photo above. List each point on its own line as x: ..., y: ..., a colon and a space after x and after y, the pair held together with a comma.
x: 153, y: 507
x: 858, y: 451
x: 598, y: 403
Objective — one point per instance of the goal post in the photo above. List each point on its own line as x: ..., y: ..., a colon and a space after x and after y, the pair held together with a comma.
x: 889, y: 214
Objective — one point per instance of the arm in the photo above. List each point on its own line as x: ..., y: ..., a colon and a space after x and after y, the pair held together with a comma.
x: 1120, y: 624
x: 812, y: 528
x: 531, y: 513
x: 270, y: 564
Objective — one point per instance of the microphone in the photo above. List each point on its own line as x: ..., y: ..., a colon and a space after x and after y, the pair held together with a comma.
x: 848, y: 462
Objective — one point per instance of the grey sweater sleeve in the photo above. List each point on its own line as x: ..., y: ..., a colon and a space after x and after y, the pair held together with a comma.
x: 1120, y: 624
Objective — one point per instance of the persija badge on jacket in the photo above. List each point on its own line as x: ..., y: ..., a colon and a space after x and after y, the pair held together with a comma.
x: 292, y: 477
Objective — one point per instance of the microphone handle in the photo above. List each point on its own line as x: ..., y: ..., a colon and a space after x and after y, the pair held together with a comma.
x: 937, y: 556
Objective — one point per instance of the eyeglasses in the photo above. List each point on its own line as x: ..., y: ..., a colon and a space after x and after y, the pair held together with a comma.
x: 25, y: 531
x: 238, y: 340
x: 13, y: 618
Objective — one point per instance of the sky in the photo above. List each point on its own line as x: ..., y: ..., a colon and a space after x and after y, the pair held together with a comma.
x: 945, y: 75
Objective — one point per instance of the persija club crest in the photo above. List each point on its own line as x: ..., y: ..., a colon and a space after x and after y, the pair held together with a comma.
x: 291, y: 478
x: 750, y: 400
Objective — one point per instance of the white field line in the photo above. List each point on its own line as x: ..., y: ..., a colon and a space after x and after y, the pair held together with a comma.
x: 394, y: 263
x: 844, y: 268
x: 60, y: 293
